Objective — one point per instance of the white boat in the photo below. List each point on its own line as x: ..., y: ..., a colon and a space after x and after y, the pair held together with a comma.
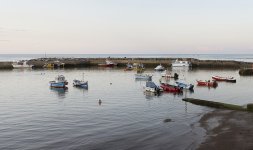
x: 21, y: 64
x: 143, y: 76
x: 179, y: 63
x: 166, y: 74
x: 108, y: 63
x: 184, y: 85
x: 152, y: 87
x: 59, y: 82
x: 159, y: 68
x: 80, y: 83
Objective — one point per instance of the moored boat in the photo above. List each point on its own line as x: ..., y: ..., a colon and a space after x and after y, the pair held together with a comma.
x: 167, y: 74
x: 227, y: 79
x: 21, y: 64
x: 207, y: 83
x: 179, y: 63
x: 185, y: 86
x: 152, y: 87
x: 129, y: 67
x: 108, y: 63
x: 80, y: 83
x: 171, y: 88
x: 141, y: 76
x: 59, y: 82
x: 159, y: 68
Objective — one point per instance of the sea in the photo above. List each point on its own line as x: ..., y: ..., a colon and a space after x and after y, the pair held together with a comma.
x: 35, y: 116
x: 235, y: 57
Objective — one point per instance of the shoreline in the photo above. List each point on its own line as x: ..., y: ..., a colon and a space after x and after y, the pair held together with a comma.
x: 227, y: 129
x: 148, y: 62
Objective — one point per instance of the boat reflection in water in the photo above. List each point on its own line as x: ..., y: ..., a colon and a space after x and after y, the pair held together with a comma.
x: 61, y: 92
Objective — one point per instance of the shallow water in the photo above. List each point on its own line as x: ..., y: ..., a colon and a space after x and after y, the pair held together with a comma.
x: 33, y: 116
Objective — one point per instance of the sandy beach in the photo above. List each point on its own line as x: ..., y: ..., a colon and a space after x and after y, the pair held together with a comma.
x: 226, y: 129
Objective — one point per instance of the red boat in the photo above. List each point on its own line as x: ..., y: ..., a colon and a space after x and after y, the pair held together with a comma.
x: 207, y: 83
x: 108, y: 63
x: 228, y: 79
x: 170, y: 88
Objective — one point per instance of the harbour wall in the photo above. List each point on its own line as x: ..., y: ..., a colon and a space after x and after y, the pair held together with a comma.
x: 148, y: 62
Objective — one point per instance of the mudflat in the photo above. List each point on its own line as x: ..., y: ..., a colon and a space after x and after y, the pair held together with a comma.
x: 227, y: 129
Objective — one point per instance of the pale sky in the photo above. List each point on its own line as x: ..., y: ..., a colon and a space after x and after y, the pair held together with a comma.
x: 126, y: 26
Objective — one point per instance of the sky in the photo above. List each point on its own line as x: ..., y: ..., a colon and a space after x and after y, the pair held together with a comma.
x: 126, y: 26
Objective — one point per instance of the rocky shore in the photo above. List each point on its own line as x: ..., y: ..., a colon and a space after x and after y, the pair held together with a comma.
x: 148, y: 62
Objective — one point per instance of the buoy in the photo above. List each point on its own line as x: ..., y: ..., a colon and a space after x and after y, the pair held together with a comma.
x: 111, y: 83
x: 99, y: 101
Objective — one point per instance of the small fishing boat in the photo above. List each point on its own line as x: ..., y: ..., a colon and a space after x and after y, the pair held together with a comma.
x: 55, y: 64
x: 59, y: 82
x: 167, y: 74
x: 207, y: 83
x: 143, y: 76
x: 185, y: 86
x: 159, y: 68
x: 152, y: 87
x: 227, y: 79
x: 171, y: 88
x: 129, y: 67
x: 178, y: 63
x: 80, y: 83
x: 139, y: 67
x: 21, y: 64
x: 108, y: 63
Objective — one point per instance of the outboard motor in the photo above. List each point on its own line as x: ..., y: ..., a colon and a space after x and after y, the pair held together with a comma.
x: 176, y: 76
x: 191, y: 87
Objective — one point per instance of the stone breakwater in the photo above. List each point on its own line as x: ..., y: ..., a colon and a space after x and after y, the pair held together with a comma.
x: 148, y: 62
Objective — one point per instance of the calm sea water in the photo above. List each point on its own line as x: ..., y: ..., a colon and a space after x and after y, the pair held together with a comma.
x: 33, y: 116
x: 236, y: 57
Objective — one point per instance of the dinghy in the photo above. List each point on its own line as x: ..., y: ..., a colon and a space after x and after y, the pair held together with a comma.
x: 184, y: 85
x: 227, y: 79
x: 141, y: 76
x: 152, y: 87
x: 159, y: 68
x: 207, y: 83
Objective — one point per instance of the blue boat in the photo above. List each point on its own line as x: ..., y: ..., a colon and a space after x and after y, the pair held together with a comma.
x: 80, y: 83
x: 185, y: 86
x: 152, y: 87
x: 59, y: 82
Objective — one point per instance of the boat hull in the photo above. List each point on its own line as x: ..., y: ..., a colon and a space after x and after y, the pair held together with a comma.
x: 21, y: 66
x: 106, y: 65
x: 143, y: 77
x: 170, y: 88
x: 180, y: 65
x: 80, y: 84
x: 58, y: 84
x: 206, y: 83
x: 185, y: 86
x: 218, y: 78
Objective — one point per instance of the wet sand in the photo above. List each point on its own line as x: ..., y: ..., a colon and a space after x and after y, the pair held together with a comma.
x: 226, y: 129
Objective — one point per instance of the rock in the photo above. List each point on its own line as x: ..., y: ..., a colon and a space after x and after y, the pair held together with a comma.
x: 167, y: 120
